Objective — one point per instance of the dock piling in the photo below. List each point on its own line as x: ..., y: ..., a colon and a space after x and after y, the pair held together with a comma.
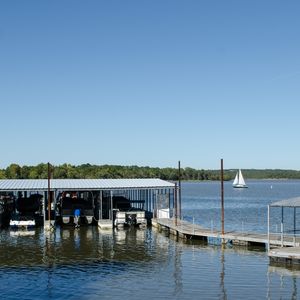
x: 222, y: 200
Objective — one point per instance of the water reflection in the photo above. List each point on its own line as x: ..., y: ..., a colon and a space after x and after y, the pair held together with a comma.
x: 75, y: 246
x: 222, y: 273
x: 136, y: 264
x: 16, y: 233
x: 288, y: 276
x: 177, y: 271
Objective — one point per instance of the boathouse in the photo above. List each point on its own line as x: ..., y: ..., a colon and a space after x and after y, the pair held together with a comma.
x: 152, y: 195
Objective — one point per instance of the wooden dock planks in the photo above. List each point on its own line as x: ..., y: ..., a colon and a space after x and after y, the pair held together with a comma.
x: 285, y: 253
x: 188, y: 230
x: 286, y: 250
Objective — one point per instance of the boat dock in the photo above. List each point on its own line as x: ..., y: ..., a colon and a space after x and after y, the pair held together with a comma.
x: 187, y: 230
x: 287, y: 255
x: 145, y: 199
x: 72, y: 202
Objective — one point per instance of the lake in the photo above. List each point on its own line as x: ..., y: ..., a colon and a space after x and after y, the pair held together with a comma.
x: 245, y: 209
x: 87, y: 263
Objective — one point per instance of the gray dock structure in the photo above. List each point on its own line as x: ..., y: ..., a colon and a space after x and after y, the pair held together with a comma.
x: 159, y: 199
x: 187, y: 230
x: 148, y: 194
x: 281, y: 247
x: 286, y: 253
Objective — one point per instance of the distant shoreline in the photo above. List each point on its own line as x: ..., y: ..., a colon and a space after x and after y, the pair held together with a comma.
x: 89, y: 171
x: 251, y: 179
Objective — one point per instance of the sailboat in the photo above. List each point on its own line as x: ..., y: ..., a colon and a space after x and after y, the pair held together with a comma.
x: 239, y: 181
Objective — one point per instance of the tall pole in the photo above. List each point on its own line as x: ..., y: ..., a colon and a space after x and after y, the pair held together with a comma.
x: 111, y: 207
x: 294, y: 226
x: 222, y: 196
x: 268, y: 228
x: 49, y: 193
x: 175, y: 203
x: 282, y: 230
x: 179, y: 190
x: 101, y: 215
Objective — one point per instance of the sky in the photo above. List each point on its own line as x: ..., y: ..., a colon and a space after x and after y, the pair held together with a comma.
x: 149, y: 83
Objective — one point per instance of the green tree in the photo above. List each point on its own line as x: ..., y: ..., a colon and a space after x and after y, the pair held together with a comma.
x: 2, y: 174
x: 25, y: 171
x: 13, y: 171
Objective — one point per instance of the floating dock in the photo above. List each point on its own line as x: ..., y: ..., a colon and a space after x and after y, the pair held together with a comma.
x: 287, y: 255
x: 187, y: 230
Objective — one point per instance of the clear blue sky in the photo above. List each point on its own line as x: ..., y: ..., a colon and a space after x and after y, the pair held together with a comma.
x: 150, y: 83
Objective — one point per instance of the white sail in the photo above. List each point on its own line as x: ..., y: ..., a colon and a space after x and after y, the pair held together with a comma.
x: 239, y: 181
x: 241, y: 178
x: 236, y: 179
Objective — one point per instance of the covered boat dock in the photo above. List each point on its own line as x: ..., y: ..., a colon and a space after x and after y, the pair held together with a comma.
x: 151, y: 194
x: 288, y: 230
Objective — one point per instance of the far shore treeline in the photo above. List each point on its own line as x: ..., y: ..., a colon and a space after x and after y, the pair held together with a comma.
x: 40, y: 171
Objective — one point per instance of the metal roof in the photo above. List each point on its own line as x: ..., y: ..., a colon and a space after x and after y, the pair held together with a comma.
x: 82, y: 184
x: 292, y: 202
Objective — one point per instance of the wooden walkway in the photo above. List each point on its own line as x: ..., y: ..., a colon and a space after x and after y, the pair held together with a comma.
x: 287, y: 255
x: 187, y: 230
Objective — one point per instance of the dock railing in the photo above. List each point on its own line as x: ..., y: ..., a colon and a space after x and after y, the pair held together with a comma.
x: 289, y: 236
x: 192, y: 229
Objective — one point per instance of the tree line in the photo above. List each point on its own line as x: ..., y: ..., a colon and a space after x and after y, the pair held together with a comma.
x: 88, y: 171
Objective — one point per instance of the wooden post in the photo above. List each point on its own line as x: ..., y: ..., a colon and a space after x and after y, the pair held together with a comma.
x: 49, y: 193
x: 294, y: 226
x: 111, y: 207
x: 179, y: 191
x: 268, y: 228
x: 100, y: 211
x: 44, y: 207
x: 222, y: 197
x: 175, y: 203
x: 281, y: 225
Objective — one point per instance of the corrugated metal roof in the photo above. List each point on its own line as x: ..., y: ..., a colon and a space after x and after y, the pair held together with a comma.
x: 292, y: 202
x: 83, y: 184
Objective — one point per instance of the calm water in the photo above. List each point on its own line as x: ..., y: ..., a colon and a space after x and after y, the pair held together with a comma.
x: 86, y: 263
x: 245, y: 209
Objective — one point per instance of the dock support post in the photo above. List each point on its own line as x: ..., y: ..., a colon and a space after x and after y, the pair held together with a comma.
x: 294, y: 227
x: 268, y: 228
x: 281, y: 226
x: 175, y: 204
x: 111, y: 207
x: 47, y: 223
x: 222, y: 200
x: 44, y: 206
x: 179, y: 191
x: 101, y: 205
x: 49, y: 193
